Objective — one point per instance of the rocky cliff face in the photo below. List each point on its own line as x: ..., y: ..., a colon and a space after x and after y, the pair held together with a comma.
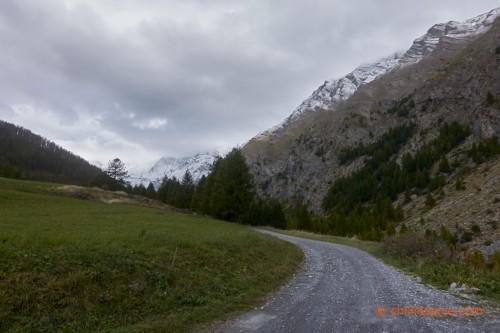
x: 447, y: 73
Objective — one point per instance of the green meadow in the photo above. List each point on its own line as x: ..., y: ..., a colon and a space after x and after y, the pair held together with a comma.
x: 70, y: 265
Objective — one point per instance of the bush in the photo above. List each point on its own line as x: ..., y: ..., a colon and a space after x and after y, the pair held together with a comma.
x: 495, y: 262
x: 466, y: 237
x: 450, y: 239
x: 429, y: 201
x: 459, y: 185
x: 417, y: 247
x: 475, y: 260
x: 490, y: 99
x: 493, y: 224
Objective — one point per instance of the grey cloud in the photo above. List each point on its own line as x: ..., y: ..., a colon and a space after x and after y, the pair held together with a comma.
x: 218, y: 72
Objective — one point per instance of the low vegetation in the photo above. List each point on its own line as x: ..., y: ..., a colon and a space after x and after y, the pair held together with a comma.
x: 79, y: 265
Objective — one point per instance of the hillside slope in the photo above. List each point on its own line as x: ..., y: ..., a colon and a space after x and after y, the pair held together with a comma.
x: 471, y: 212
x: 447, y: 75
x: 37, y: 158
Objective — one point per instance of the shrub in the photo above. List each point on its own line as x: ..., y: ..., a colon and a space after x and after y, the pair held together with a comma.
x: 417, y: 247
x: 495, y: 262
x: 475, y: 229
x: 490, y: 100
x: 429, y: 201
x: 493, y: 224
x: 466, y: 237
x: 475, y: 260
x: 432, y: 234
x: 459, y: 185
x: 448, y: 237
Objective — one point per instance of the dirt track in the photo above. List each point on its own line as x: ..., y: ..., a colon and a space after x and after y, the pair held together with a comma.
x: 341, y: 289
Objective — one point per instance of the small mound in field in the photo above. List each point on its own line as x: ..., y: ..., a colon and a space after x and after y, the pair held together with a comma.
x: 100, y: 195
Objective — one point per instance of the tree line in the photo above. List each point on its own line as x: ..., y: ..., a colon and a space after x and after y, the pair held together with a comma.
x: 227, y: 193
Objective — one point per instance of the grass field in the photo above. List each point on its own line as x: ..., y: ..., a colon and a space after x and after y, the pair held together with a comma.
x: 72, y: 265
x: 437, y: 273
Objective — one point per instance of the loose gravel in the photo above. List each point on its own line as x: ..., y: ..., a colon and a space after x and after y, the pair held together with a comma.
x: 342, y: 289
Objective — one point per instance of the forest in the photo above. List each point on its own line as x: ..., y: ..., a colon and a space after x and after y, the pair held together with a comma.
x: 361, y: 203
x: 24, y: 154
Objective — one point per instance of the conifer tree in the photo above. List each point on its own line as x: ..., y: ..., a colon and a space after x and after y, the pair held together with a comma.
x: 116, y: 169
x: 231, y: 188
x: 150, y: 191
x: 444, y: 166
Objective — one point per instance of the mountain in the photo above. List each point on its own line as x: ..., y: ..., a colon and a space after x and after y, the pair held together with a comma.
x: 198, y: 165
x: 445, y: 76
x: 35, y: 157
x: 333, y: 92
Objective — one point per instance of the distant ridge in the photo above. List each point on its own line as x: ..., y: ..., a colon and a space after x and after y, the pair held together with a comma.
x: 198, y: 165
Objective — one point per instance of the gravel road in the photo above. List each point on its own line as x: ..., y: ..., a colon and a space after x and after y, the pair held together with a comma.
x: 342, y: 289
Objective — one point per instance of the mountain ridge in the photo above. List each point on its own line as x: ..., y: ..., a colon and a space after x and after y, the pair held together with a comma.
x: 448, y: 84
x: 334, y: 91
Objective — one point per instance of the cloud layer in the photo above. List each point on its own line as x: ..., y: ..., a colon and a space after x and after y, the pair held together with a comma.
x: 140, y: 80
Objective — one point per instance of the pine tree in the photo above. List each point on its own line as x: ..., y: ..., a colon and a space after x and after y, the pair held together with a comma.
x: 9, y: 171
x: 116, y: 169
x: 186, y: 190
x: 429, y: 200
x: 230, y: 188
x: 150, y: 191
x: 444, y: 166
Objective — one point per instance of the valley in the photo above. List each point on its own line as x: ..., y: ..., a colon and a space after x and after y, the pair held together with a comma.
x: 399, y: 158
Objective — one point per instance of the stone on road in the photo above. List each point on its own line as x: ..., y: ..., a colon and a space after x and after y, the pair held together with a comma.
x: 342, y: 289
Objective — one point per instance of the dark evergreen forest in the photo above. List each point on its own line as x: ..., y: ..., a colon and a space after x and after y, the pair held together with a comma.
x: 24, y: 154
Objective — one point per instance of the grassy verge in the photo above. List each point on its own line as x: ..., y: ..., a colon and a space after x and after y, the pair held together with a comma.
x: 437, y: 273
x: 79, y: 266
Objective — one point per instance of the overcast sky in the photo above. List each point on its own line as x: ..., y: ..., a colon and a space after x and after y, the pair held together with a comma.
x: 143, y: 79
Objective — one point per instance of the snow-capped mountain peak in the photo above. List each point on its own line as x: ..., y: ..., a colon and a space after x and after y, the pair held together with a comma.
x: 453, y: 30
x: 335, y: 91
x: 198, y: 165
